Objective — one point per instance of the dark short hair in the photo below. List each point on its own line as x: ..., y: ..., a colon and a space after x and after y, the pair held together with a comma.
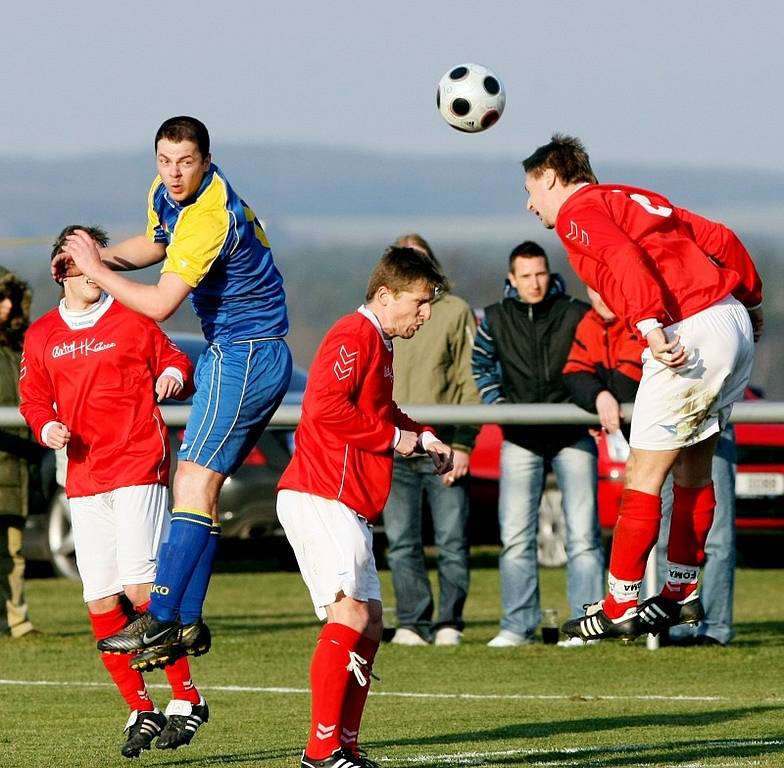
x: 184, y: 128
x: 528, y: 250
x: 96, y: 233
x: 567, y: 156
x: 402, y: 268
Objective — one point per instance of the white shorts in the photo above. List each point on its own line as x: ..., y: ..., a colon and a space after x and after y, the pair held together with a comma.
x: 116, y: 536
x: 333, y: 546
x: 677, y: 407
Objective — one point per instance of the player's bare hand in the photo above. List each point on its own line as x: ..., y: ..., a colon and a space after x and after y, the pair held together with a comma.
x: 671, y: 353
x: 442, y: 456
x: 58, y: 436
x: 166, y: 387
x: 609, y: 411
x: 460, y: 463
x: 62, y: 266
x: 83, y: 252
x: 757, y: 322
x: 407, y: 443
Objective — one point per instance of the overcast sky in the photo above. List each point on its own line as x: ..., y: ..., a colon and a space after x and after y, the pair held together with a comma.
x: 693, y: 82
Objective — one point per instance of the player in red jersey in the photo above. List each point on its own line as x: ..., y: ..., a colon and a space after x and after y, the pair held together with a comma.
x: 337, y: 484
x: 690, y: 289
x: 92, y: 371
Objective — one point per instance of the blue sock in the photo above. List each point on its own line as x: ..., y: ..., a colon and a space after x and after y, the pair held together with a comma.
x: 193, y: 597
x: 189, y: 536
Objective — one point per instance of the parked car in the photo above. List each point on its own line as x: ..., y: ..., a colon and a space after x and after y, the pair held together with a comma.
x: 247, y: 499
x: 759, y: 489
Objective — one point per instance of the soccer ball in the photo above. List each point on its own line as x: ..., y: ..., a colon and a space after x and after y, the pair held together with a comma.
x: 470, y: 98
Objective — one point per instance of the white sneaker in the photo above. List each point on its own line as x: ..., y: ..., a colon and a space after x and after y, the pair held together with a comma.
x: 448, y: 636
x: 405, y: 636
x: 507, y: 639
x: 575, y: 642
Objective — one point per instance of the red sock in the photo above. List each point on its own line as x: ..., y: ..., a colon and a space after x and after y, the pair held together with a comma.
x: 329, y: 683
x: 635, y: 534
x: 179, y: 677
x: 129, y: 683
x: 692, y: 517
x: 354, y: 705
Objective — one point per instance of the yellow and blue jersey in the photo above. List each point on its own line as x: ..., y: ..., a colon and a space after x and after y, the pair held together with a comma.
x: 217, y: 246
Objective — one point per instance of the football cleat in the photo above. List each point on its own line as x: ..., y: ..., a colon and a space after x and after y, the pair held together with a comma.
x: 596, y: 624
x: 340, y: 758
x: 659, y: 613
x: 184, y: 719
x: 142, y: 728
x: 144, y: 632
x: 196, y: 638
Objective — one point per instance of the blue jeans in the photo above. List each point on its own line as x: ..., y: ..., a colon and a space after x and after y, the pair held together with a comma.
x: 403, y: 527
x: 718, y: 576
x: 520, y: 494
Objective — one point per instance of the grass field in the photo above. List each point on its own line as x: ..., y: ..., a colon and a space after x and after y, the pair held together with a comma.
x: 604, y: 705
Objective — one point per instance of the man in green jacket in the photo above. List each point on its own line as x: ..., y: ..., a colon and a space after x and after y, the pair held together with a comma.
x: 14, y: 443
x: 432, y: 367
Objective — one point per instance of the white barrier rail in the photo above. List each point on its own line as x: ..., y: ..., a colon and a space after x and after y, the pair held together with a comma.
x: 755, y: 412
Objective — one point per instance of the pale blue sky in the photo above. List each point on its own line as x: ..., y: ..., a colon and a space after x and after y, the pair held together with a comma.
x: 694, y: 82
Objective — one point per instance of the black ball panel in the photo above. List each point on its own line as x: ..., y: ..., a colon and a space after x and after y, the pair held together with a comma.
x: 458, y: 73
x: 438, y: 98
x: 461, y: 107
x: 492, y: 86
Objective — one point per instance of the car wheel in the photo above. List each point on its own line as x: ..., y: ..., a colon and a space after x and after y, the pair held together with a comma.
x: 551, y: 540
x: 62, y: 554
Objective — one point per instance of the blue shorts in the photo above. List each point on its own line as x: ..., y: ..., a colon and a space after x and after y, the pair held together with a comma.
x: 239, y: 385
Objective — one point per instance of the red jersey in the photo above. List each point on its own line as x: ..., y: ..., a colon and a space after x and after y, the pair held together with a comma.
x: 99, y: 381
x: 343, y: 444
x: 649, y: 259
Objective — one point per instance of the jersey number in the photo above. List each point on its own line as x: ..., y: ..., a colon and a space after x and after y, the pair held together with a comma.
x: 656, y: 210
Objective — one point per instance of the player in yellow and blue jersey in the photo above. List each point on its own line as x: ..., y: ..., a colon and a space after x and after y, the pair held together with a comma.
x: 214, y: 250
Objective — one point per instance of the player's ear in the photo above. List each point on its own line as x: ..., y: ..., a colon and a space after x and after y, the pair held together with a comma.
x: 549, y: 177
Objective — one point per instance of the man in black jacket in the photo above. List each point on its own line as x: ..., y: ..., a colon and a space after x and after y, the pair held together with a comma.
x: 519, y: 352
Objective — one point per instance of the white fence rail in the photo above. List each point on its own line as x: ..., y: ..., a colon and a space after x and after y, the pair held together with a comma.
x: 756, y: 412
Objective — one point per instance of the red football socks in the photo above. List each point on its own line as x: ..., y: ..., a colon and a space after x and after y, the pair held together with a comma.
x: 358, y: 692
x: 179, y: 677
x: 129, y: 683
x: 692, y: 517
x: 635, y: 534
x: 330, y: 684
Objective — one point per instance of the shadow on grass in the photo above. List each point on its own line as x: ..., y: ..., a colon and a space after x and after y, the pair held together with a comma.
x: 661, y: 753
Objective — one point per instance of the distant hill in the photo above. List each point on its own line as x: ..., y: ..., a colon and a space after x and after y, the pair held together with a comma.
x: 302, y: 183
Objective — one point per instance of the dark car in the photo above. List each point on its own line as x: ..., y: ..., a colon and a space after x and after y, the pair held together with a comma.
x: 247, y: 499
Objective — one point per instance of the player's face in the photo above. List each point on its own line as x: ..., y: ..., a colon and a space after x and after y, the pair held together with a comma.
x: 542, y: 199
x: 80, y: 292
x: 406, y: 311
x: 531, y: 278
x: 182, y: 168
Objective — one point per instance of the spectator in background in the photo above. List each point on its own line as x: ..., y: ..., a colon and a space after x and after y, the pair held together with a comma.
x: 519, y: 352
x: 15, y: 448
x: 432, y: 367
x: 603, y: 371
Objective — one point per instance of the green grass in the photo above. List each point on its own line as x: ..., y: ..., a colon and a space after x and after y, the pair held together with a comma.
x: 604, y: 705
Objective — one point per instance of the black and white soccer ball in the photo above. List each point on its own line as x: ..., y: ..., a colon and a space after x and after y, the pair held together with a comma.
x: 470, y: 98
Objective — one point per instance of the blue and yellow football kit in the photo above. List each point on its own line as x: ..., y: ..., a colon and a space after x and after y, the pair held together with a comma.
x: 216, y: 245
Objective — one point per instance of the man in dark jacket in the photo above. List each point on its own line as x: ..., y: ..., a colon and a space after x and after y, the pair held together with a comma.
x: 519, y: 352
x: 15, y: 444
